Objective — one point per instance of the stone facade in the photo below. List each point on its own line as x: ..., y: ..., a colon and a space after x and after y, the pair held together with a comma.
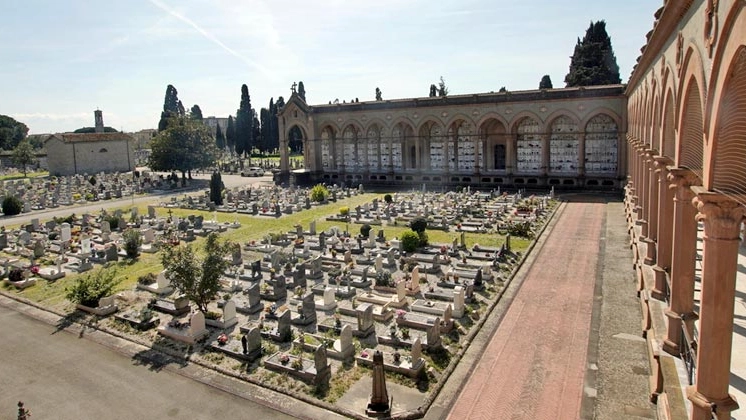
x: 686, y: 141
x: 69, y: 153
x: 572, y: 137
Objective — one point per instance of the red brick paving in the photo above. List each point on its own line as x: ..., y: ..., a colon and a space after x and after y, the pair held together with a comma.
x: 533, y: 367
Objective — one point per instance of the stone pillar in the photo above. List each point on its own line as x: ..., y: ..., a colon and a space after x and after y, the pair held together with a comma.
x: 510, y: 153
x: 644, y: 194
x: 652, y: 215
x: 581, y: 154
x: 684, y: 252
x: 544, y: 169
x: 379, y: 404
x: 665, y: 229
x: 640, y: 183
x: 722, y: 226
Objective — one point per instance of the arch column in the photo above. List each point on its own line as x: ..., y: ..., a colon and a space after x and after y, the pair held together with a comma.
x: 581, y: 152
x: 544, y: 169
x: 722, y: 226
x: 665, y: 229
x: 652, y: 215
x: 684, y: 252
x: 642, y: 212
x: 511, y: 140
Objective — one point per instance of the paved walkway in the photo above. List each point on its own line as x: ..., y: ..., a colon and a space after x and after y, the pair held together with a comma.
x: 535, y: 363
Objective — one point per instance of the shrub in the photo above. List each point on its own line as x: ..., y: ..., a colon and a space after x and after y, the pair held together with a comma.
x: 89, y: 289
x: 344, y: 211
x: 521, y: 229
x: 418, y: 224
x: 12, y: 205
x: 319, y: 193
x: 388, y: 199
x: 424, y: 240
x: 146, y: 279
x: 410, y: 240
x: 132, y: 242
x: 384, y: 279
x: 15, y: 275
x: 365, y: 230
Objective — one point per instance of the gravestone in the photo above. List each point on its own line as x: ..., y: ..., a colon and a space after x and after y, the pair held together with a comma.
x: 197, y: 325
x: 364, y: 314
x: 111, y: 253
x: 255, y: 299
x: 323, y: 370
x: 65, y: 232
x: 458, y: 302
x: 308, y: 309
x: 328, y: 302
x: 38, y: 249
x: 229, y: 313
x: 433, y: 335
x: 283, y: 326
x: 416, y: 350
x: 253, y: 348
x: 379, y: 404
x: 299, y: 275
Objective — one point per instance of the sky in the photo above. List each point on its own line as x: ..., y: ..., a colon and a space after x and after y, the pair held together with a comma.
x: 61, y: 60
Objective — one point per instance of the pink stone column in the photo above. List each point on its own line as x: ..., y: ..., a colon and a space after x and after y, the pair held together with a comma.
x: 722, y: 226
x: 665, y: 229
x: 684, y: 253
x: 644, y: 194
x: 652, y: 217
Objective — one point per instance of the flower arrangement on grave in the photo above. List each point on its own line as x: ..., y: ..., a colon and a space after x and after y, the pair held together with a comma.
x: 145, y: 314
x: 222, y: 339
x: 337, y: 320
x: 401, y: 313
x: 284, y: 359
x: 212, y: 315
x: 298, y: 363
x: 405, y: 333
x: 298, y: 291
x: 364, y: 354
x: 397, y: 357
x: 392, y: 330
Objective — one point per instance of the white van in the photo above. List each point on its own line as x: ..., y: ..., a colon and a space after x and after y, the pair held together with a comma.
x: 253, y: 171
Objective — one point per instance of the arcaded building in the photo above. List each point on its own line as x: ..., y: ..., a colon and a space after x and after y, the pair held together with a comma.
x: 571, y: 138
x: 686, y: 141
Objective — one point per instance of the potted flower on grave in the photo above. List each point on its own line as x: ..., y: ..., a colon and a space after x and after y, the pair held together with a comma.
x: 222, y: 339
x: 284, y: 359
x: 397, y: 357
x: 298, y: 363
x: 400, y: 313
x: 364, y: 354
x: 405, y: 333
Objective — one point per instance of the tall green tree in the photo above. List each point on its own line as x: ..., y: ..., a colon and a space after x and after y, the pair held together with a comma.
x: 433, y: 91
x: 266, y: 131
x: 442, y: 88
x: 546, y: 82
x: 256, y: 133
x: 184, y: 146
x: 219, y: 138
x: 196, y: 113
x: 244, y: 124
x: 197, y: 278
x: 274, y: 142
x: 379, y: 95
x: 172, y: 107
x: 23, y: 155
x: 230, y: 135
x: 593, y: 61
x: 11, y: 132
x: 302, y: 91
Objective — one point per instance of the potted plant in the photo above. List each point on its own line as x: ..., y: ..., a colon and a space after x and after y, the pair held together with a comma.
x: 222, y: 339
x: 284, y: 359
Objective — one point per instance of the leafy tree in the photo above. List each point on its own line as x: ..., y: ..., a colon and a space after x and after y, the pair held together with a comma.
x: 379, y: 96
x: 216, y: 188
x: 433, y: 91
x: 87, y: 130
x: 219, y: 138
x: 388, y: 199
x: 230, y: 134
x: 546, y: 82
x: 365, y: 230
x: 442, y: 89
x: 23, y: 155
x: 196, y: 113
x: 197, y: 278
x: 184, y: 146
x: 12, y: 205
x: 256, y: 130
x: 172, y: 107
x: 11, y: 132
x: 502, y: 89
x: 301, y: 91
x: 410, y: 240
x: 593, y: 61
x: 132, y: 243
x: 319, y: 193
x: 265, y: 133
x: 418, y: 224
x: 244, y: 123
x: 89, y: 289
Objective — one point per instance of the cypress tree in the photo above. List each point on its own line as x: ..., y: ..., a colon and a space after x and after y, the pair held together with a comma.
x: 256, y: 133
x: 244, y: 123
x: 230, y: 135
x: 593, y: 61
x: 216, y: 187
x: 195, y: 113
x: 219, y: 138
x: 265, y: 119
x: 170, y: 107
x: 546, y: 82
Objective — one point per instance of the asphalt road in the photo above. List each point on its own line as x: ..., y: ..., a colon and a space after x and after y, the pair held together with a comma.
x: 60, y: 376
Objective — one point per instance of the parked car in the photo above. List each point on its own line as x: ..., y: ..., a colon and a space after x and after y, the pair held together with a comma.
x: 253, y: 171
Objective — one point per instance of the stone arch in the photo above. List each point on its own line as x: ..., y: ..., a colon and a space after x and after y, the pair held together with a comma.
x: 528, y: 145
x: 564, y: 143
x: 603, y: 110
x: 520, y: 117
x: 374, y: 139
x: 601, y: 144
x: 350, y: 154
x: 461, y: 148
x: 728, y: 167
x: 328, y: 147
x: 297, y: 136
x: 432, y: 142
x: 459, y: 117
x: 691, y: 148
x: 668, y: 129
x: 495, y: 150
x: 402, y: 140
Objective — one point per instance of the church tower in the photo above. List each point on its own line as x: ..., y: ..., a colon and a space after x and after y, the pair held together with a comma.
x: 99, y: 117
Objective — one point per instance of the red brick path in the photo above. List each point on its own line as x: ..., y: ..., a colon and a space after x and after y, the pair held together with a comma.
x: 533, y: 367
